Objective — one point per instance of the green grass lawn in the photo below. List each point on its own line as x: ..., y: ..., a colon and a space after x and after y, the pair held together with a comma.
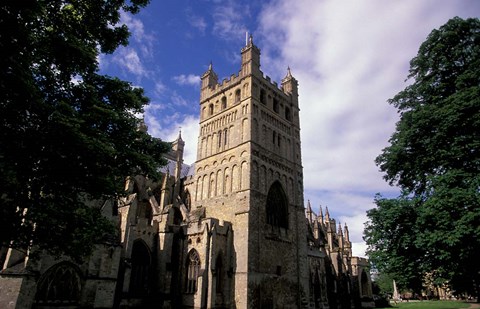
x: 431, y: 305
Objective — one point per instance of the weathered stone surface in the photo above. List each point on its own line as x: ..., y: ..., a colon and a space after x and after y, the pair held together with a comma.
x: 230, y: 231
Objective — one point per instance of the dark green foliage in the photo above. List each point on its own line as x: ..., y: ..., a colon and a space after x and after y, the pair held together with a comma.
x: 434, y: 157
x: 67, y: 134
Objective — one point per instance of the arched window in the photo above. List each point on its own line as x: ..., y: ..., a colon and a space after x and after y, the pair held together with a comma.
x: 277, y: 206
x: 288, y: 115
x: 193, y: 270
x: 219, y: 274
x: 141, y: 262
x: 60, y: 284
x: 177, y: 216
x: 263, y: 96
x: 276, y: 106
x: 237, y: 96
x: 187, y: 201
x: 364, y: 284
x: 224, y: 103
x: 210, y: 110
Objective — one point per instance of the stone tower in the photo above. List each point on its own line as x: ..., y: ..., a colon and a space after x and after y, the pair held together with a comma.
x: 249, y: 172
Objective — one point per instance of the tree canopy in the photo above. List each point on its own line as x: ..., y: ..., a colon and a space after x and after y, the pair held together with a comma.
x: 67, y: 134
x: 434, y: 157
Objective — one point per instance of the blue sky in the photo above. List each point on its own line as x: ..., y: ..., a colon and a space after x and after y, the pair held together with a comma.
x: 349, y: 57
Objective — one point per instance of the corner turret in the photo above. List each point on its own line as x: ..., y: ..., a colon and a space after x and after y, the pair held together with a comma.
x: 250, y: 59
x: 290, y: 84
x: 209, y: 81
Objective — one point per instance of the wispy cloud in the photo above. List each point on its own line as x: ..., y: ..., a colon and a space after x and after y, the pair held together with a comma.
x: 127, y: 58
x: 160, y: 88
x: 349, y: 58
x: 143, y: 40
x: 228, y: 20
x: 167, y: 128
x: 178, y: 100
x: 190, y: 79
x: 198, y: 23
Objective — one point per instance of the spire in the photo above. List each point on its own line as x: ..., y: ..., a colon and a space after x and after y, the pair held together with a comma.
x: 327, y: 214
x: 340, y: 232
x: 346, y: 232
x: 309, y: 212
x: 179, y: 134
x: 289, y: 73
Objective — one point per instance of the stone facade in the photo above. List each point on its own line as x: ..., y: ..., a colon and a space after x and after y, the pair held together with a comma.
x: 230, y: 231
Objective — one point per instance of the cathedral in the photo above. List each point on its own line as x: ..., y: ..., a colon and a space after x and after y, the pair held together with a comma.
x: 229, y: 231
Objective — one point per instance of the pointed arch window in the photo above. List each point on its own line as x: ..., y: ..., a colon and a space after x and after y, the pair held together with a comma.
x: 193, y: 271
x: 277, y: 206
x: 141, y: 261
x: 60, y: 284
x: 210, y: 110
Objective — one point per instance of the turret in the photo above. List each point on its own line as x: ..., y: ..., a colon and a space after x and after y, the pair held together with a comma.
x: 250, y: 58
x: 340, y: 236
x: 327, y: 215
x: 209, y: 80
x: 346, y: 233
x: 309, y: 213
x: 177, y: 147
x: 165, y: 193
x: 320, y: 216
x: 142, y: 127
x: 290, y: 84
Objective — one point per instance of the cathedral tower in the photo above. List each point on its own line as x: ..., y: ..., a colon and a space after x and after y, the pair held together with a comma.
x: 249, y: 172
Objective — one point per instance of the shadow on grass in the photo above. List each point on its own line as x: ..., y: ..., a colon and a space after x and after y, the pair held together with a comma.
x: 437, y: 304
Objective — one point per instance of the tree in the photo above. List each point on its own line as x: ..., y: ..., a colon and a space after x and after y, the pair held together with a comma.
x: 434, y: 157
x: 68, y: 135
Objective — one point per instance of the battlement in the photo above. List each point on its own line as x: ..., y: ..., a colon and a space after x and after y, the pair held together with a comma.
x: 235, y: 80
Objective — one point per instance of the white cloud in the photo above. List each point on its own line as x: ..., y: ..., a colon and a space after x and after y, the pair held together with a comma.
x: 143, y: 40
x: 190, y: 79
x: 228, y: 20
x: 350, y: 57
x: 128, y: 59
x: 178, y: 100
x: 198, y: 23
x: 159, y: 89
x: 188, y: 124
